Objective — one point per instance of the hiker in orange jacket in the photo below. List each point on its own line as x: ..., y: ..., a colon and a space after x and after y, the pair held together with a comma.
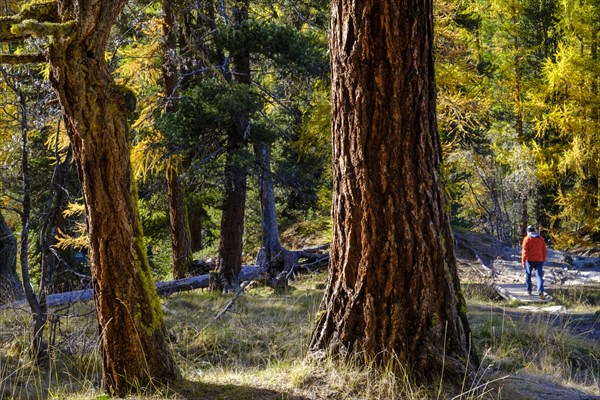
x: 533, y: 256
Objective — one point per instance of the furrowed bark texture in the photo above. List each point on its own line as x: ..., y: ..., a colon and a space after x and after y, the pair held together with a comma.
x: 133, y: 335
x: 393, y: 289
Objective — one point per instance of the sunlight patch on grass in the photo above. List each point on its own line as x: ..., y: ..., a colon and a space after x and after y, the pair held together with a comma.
x: 257, y: 350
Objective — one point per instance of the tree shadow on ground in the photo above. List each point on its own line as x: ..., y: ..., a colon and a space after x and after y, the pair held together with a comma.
x: 206, y: 391
x: 534, y: 387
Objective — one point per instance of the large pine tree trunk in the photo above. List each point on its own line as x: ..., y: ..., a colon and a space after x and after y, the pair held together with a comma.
x: 234, y: 201
x: 133, y: 335
x: 393, y: 288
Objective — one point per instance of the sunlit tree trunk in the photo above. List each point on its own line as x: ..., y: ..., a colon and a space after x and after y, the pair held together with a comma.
x: 135, y: 350
x: 393, y: 292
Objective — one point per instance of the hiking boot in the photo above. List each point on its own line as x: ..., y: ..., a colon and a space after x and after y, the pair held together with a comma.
x: 542, y: 296
x: 529, y: 292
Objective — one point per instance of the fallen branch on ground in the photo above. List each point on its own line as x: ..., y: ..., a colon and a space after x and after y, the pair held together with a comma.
x: 248, y: 273
x: 163, y: 289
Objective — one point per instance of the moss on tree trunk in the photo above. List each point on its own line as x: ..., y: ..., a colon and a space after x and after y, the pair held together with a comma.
x: 133, y: 334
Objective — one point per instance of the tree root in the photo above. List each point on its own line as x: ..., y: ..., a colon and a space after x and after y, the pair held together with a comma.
x: 286, y: 263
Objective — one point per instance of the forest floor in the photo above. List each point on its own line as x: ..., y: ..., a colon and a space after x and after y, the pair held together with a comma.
x: 257, y: 350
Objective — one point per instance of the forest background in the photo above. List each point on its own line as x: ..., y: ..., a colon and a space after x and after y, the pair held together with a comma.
x: 228, y: 104
x: 518, y: 113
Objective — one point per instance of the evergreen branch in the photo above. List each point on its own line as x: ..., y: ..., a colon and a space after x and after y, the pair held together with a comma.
x: 14, y: 59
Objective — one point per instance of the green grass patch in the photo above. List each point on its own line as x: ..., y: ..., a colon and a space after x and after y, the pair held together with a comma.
x: 577, y: 296
x: 257, y: 350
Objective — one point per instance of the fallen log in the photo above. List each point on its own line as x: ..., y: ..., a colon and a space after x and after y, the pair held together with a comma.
x: 163, y: 289
x: 199, y: 282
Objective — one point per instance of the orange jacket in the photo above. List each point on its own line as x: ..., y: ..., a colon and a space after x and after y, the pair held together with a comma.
x: 534, y: 248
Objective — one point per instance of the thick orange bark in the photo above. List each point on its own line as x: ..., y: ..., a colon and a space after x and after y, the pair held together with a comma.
x: 393, y: 288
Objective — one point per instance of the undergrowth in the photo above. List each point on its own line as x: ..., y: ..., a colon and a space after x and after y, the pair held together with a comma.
x: 257, y: 350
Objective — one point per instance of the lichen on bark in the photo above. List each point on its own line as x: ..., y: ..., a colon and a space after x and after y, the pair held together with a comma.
x: 38, y: 12
x: 34, y: 28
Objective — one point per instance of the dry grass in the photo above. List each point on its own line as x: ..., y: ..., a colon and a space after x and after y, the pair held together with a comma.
x: 257, y: 351
x: 559, y: 348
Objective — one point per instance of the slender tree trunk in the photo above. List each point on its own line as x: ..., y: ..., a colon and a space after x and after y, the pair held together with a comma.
x: 195, y: 222
x: 135, y: 350
x: 524, y: 215
x: 234, y: 201
x: 281, y: 262
x: 180, y: 233
x: 11, y: 288
x: 270, y: 230
x: 393, y: 292
x: 232, y: 219
x: 39, y: 347
x: 53, y: 217
x: 595, y: 115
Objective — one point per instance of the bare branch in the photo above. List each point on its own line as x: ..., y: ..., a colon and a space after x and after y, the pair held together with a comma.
x: 30, y: 27
x: 13, y: 59
x: 45, y: 11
